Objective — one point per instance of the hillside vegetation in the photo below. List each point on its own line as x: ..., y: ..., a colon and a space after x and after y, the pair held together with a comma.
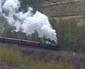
x: 68, y: 18
x: 16, y: 58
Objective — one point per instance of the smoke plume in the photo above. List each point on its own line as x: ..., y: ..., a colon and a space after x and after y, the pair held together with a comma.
x: 27, y: 22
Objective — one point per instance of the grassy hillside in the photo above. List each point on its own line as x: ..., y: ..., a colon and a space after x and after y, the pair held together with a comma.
x: 35, y: 59
x: 70, y: 32
x: 63, y: 7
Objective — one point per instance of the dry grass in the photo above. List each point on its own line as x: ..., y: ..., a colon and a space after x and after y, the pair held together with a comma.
x: 15, y: 58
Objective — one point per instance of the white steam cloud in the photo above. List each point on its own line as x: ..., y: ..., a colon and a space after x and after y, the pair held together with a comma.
x: 27, y: 22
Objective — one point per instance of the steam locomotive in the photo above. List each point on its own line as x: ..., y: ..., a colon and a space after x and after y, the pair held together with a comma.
x: 28, y: 43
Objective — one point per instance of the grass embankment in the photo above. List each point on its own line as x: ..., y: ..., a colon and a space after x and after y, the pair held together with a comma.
x: 15, y: 58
